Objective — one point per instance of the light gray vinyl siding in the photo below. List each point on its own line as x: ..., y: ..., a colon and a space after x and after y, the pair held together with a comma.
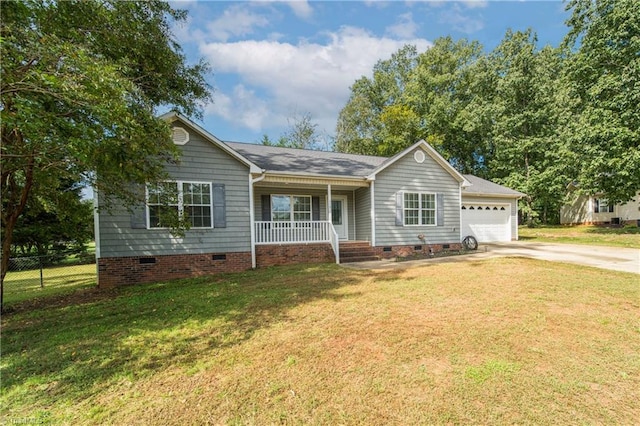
x: 410, y: 176
x: 259, y: 191
x: 203, y: 162
x: 499, y: 200
x: 363, y: 214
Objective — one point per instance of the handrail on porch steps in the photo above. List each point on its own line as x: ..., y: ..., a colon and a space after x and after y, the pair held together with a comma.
x: 287, y: 232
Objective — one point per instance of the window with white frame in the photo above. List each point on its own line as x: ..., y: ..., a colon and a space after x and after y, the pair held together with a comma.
x: 290, y: 207
x: 601, y: 205
x: 189, y: 200
x: 419, y: 208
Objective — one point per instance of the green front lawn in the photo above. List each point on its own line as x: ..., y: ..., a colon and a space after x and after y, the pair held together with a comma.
x: 583, y: 234
x: 500, y: 341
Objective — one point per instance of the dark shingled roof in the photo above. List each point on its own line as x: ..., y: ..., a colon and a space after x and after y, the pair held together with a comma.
x: 483, y: 186
x: 293, y: 160
x: 278, y: 159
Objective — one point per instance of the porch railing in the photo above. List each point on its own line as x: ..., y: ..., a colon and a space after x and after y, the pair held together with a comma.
x: 317, y: 231
x: 335, y: 243
x: 293, y: 232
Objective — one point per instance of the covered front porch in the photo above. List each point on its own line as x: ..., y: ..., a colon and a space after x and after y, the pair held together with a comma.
x: 290, y: 210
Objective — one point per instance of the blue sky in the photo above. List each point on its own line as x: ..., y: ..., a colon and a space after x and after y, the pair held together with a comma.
x: 273, y: 60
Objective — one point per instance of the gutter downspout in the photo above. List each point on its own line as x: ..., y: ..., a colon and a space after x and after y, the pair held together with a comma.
x: 252, y: 219
x: 96, y: 232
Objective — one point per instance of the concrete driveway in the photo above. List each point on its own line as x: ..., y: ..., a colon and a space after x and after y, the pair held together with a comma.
x: 614, y: 258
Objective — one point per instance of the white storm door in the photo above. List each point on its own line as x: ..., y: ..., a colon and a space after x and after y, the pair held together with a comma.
x: 339, y: 216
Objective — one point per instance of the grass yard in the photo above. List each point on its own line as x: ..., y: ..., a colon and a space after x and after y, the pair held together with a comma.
x: 500, y: 341
x: 583, y: 234
x: 25, y: 285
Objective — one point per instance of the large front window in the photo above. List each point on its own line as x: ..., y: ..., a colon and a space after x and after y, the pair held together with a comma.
x: 290, y: 207
x: 419, y: 208
x: 169, y: 201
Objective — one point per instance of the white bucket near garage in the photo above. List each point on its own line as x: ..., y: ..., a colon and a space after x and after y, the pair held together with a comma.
x: 486, y: 222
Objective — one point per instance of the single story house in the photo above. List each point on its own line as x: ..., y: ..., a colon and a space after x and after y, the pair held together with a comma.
x: 253, y: 205
x: 596, y: 210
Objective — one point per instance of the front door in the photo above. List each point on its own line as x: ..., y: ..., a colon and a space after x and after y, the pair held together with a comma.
x: 339, y: 216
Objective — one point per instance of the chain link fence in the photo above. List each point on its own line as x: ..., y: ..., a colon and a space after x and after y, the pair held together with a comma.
x: 53, y: 270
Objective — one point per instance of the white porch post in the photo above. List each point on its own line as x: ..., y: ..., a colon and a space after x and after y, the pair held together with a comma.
x: 252, y: 223
x: 329, y: 203
x: 373, y: 213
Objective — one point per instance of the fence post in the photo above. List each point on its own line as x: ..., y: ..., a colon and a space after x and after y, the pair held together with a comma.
x: 41, y: 279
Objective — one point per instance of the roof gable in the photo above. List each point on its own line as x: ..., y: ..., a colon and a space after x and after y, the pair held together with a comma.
x: 173, y: 116
x: 429, y: 151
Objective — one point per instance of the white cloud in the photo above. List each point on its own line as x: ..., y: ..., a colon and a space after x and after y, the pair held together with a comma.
x: 460, y: 21
x: 279, y: 79
x: 301, y: 8
x: 236, y: 20
x: 475, y: 4
x: 405, y: 27
x: 242, y: 106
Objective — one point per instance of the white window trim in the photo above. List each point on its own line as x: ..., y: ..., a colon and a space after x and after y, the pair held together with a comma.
x: 291, y: 211
x: 179, y: 184
x: 606, y: 204
x: 420, y: 209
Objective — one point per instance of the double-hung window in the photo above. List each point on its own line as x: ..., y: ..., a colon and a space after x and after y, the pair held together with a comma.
x: 295, y: 208
x: 601, y: 205
x: 190, y: 201
x: 419, y: 208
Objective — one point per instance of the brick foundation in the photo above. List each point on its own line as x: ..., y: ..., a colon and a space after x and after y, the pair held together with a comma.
x: 405, y: 251
x: 286, y: 254
x: 118, y: 271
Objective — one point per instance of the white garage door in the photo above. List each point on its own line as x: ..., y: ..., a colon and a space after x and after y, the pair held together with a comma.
x: 486, y: 222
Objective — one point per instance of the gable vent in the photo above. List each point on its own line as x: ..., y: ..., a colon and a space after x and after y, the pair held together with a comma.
x: 180, y: 136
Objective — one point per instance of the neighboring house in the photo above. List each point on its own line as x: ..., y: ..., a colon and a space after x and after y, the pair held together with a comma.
x: 597, y: 210
x: 253, y: 205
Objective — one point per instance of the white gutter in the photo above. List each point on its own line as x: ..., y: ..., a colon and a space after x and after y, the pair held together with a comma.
x: 488, y: 195
x: 316, y: 175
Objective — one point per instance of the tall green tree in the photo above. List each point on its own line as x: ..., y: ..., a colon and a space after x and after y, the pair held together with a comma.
x: 40, y: 231
x: 604, y: 76
x: 81, y: 81
x: 302, y: 132
x: 525, y: 109
x: 445, y: 90
x: 379, y: 118
x: 412, y: 96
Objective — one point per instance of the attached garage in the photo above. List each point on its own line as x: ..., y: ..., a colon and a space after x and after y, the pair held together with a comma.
x: 489, y: 211
x: 486, y: 222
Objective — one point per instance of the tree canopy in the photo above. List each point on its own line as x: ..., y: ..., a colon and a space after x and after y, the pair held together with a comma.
x: 604, y: 78
x: 534, y: 118
x: 302, y: 132
x: 81, y: 83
